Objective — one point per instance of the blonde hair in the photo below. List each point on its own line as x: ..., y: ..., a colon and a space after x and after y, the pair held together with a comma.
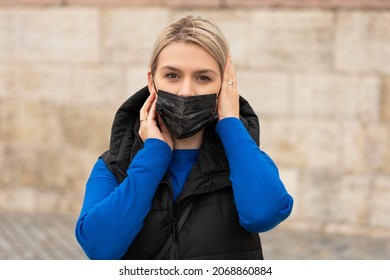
x: 196, y: 30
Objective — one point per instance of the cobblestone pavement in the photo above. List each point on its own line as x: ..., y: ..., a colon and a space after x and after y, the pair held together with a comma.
x: 287, y: 245
x: 38, y: 237
x: 51, y: 237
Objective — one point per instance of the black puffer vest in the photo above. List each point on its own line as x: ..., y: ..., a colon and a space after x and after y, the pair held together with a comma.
x: 212, y: 229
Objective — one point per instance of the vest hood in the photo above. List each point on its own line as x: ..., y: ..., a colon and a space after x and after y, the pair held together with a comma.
x: 212, y: 163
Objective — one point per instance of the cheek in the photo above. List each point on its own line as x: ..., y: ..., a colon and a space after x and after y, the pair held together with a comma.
x: 218, y: 87
x: 211, y: 88
x: 162, y: 84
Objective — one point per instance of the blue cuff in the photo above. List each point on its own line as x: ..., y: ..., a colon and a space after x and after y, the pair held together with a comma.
x: 155, y: 156
x: 232, y: 131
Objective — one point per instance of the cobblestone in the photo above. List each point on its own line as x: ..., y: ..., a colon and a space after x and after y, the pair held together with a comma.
x: 302, y: 245
x: 38, y: 237
x: 51, y: 237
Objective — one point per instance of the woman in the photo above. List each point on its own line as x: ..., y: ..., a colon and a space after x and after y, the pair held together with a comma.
x: 184, y: 177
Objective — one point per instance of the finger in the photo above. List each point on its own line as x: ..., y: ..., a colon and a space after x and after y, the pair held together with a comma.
x: 229, y: 79
x: 233, y: 76
x: 144, y: 112
x: 232, y: 71
x: 226, y: 73
x: 152, y: 111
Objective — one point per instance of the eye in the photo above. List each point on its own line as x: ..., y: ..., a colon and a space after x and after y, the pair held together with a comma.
x: 203, y: 78
x: 171, y: 76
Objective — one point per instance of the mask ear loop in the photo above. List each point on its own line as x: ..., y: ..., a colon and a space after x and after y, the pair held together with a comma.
x: 219, y: 92
x: 155, y: 88
x: 216, y: 99
x: 154, y: 85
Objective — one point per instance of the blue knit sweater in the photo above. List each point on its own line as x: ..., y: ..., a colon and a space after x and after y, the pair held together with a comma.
x: 113, y: 213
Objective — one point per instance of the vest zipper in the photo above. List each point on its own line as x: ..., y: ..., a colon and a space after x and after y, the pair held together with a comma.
x: 173, y: 210
x: 172, y: 217
x: 175, y: 235
x: 174, y: 228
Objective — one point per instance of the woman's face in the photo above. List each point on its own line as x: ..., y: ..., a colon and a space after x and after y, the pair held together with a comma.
x: 186, y: 69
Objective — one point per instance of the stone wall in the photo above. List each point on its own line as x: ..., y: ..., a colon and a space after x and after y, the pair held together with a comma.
x: 316, y: 72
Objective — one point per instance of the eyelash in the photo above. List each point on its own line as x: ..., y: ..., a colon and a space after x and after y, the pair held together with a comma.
x: 170, y: 76
x: 204, y: 78
x: 175, y: 76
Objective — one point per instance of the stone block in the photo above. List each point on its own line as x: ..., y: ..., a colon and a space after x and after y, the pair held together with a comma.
x: 47, y: 168
x: 332, y: 198
x: 5, y: 81
x: 20, y: 199
x: 61, y: 202
x: 71, y: 203
x: 169, y: 3
x: 35, y: 200
x: 30, y: 123
x: 234, y: 25
x: 5, y: 46
x: 267, y: 92
x: 385, y: 100
x: 190, y: 4
x: 48, y: 201
x: 40, y: 83
x: 83, y: 85
x: 366, y: 148
x: 86, y: 127
x: 102, y: 85
x: 291, y: 40
x: 66, y: 35
x: 350, y: 205
x: 291, y: 180
x: 75, y: 165
x: 353, y: 146
x: 31, y: 2
x: 335, y: 96
x: 362, y: 41
x: 5, y: 34
x: 301, y: 143
x: 316, y: 4
x: 130, y: 33
x: 136, y: 78
x: 317, y: 193
x: 2, y: 160
x: 380, y: 207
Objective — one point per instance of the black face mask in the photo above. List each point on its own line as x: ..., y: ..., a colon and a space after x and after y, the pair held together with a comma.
x: 186, y: 115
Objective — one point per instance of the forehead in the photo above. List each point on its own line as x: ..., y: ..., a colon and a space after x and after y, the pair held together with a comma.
x: 186, y: 57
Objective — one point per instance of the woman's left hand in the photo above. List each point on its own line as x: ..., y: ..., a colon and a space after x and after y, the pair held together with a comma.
x: 228, y: 100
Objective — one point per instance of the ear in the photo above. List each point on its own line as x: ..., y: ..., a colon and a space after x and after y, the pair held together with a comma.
x: 151, y: 82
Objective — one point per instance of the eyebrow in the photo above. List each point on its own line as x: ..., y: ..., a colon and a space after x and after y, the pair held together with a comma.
x: 201, y: 71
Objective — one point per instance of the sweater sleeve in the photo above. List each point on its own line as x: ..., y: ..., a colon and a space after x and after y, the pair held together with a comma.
x: 113, y: 213
x: 261, y: 199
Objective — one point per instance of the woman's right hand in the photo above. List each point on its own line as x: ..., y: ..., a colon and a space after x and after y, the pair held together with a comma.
x: 148, y: 124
